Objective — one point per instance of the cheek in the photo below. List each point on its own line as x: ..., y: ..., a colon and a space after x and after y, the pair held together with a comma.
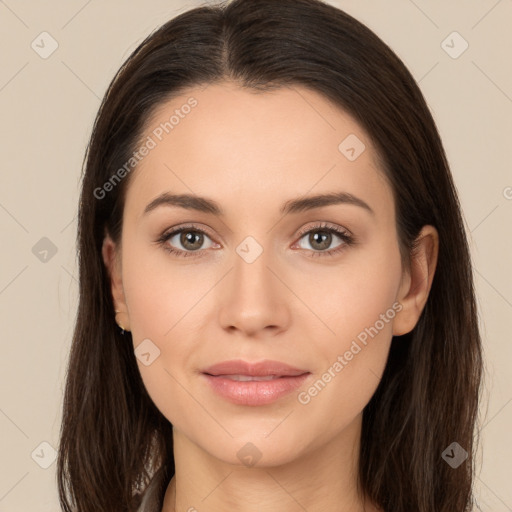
x: 358, y: 309
x: 351, y: 298
x: 158, y: 313
x: 159, y: 293
x: 165, y: 302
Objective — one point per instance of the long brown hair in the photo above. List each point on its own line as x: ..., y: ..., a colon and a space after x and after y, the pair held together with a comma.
x: 113, y: 438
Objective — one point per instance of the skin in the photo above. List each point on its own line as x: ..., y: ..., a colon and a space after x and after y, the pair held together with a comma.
x: 251, y: 152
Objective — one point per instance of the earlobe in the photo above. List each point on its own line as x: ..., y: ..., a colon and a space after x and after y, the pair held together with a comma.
x: 414, y: 291
x: 112, y: 261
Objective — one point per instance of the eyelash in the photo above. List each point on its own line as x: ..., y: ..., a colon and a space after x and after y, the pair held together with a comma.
x: 347, y: 239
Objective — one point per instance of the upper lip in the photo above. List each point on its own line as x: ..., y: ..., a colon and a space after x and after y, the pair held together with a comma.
x: 259, y: 369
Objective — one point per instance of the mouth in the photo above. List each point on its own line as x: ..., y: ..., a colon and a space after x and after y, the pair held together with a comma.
x: 247, y: 378
x: 265, y: 368
x: 254, y: 384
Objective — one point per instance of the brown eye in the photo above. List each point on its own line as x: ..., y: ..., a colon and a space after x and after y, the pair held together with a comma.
x: 185, y: 241
x: 191, y: 240
x: 321, y: 236
x: 320, y: 239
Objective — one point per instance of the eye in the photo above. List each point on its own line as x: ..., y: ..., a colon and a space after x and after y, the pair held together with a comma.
x: 320, y: 237
x: 190, y: 238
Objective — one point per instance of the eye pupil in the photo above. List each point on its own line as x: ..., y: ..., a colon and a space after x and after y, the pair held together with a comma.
x: 187, y: 237
x: 325, y: 239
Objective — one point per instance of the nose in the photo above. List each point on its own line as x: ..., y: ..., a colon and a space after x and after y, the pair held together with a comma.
x: 254, y: 299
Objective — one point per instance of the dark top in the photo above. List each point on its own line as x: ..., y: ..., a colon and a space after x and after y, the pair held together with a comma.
x: 152, y: 500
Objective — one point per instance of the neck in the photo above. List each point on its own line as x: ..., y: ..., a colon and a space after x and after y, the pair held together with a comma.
x: 322, y: 479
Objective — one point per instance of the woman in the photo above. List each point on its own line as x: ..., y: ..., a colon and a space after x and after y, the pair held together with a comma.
x: 276, y: 298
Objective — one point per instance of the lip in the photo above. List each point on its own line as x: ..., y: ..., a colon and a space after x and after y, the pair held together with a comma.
x: 261, y: 368
x: 254, y: 392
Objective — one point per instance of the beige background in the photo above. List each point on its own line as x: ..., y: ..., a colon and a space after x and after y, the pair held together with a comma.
x: 47, y: 109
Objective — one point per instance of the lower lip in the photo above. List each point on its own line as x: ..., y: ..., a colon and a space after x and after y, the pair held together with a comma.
x: 255, y: 392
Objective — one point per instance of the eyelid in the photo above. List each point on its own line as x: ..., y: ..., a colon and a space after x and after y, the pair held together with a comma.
x: 187, y: 226
x: 323, y: 225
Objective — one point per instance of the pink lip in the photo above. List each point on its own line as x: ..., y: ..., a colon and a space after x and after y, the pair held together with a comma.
x: 263, y: 368
x: 254, y: 392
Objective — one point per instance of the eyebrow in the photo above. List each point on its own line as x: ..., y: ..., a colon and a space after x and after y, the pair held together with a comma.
x: 206, y: 205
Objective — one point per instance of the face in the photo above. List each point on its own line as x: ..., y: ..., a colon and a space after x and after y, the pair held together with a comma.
x: 315, y: 285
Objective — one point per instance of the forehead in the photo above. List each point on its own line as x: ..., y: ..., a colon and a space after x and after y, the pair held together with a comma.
x: 243, y: 146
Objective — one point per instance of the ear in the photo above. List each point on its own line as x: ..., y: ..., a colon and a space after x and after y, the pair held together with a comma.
x: 416, y: 284
x: 112, y: 259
